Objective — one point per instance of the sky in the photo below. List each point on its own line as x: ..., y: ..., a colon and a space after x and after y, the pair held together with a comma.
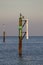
x: 30, y: 9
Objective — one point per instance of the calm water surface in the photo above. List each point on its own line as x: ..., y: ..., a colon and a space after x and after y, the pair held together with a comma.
x: 32, y: 51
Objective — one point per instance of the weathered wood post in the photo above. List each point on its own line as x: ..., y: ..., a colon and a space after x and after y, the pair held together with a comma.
x: 3, y: 32
x: 4, y: 36
x: 20, y: 36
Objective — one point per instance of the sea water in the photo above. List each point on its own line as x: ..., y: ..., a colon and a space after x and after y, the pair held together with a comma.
x: 32, y: 51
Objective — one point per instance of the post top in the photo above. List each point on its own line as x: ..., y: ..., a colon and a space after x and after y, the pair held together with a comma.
x: 21, y: 16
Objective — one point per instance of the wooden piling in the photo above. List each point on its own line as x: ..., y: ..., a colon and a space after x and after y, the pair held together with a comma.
x: 20, y: 36
x: 4, y: 36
